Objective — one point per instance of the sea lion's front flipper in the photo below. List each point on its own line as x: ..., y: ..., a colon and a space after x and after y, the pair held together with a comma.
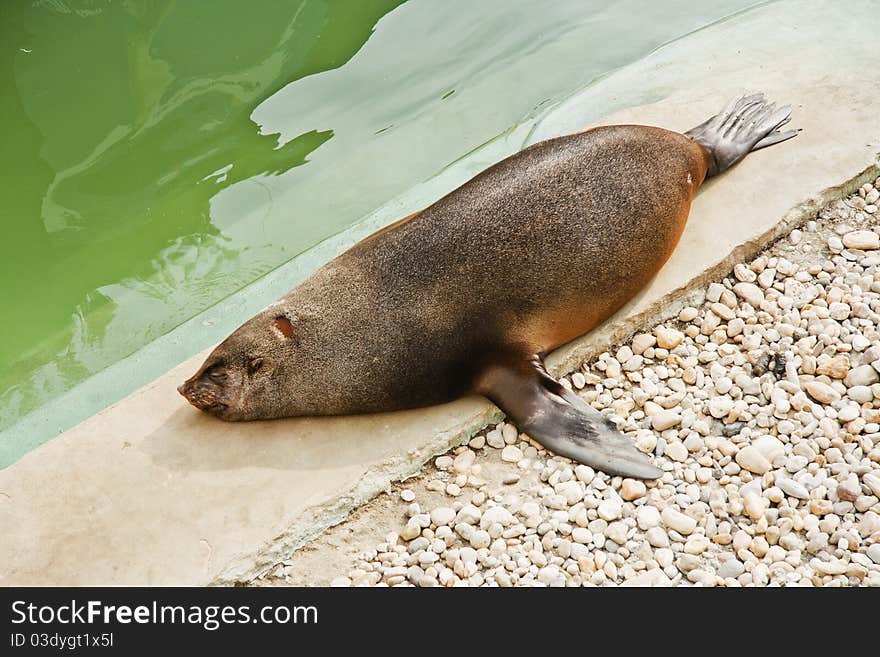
x: 560, y: 420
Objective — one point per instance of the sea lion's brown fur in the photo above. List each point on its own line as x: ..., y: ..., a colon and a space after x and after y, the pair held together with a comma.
x: 529, y: 254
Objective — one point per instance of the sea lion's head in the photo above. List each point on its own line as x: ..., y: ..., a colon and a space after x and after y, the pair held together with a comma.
x: 247, y: 376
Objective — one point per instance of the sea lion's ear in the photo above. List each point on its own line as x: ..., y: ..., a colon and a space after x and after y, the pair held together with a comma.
x: 283, y: 325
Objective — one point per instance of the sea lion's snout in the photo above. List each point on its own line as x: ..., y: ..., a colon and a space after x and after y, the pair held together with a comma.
x: 205, y: 394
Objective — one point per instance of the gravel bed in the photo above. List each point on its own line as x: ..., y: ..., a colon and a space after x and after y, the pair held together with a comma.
x: 761, y: 406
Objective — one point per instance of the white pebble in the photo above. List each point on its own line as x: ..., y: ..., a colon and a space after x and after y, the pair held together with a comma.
x: 678, y: 521
x: 609, y: 510
x: 862, y: 239
x: 632, y: 489
x: 511, y: 454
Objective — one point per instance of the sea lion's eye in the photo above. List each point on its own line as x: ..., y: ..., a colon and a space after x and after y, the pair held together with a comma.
x: 217, y: 375
x: 254, y: 364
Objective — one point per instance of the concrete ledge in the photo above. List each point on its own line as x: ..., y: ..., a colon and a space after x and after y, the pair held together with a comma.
x: 152, y: 492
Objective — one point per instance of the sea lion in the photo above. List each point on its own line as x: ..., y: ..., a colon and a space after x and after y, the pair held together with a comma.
x: 469, y: 294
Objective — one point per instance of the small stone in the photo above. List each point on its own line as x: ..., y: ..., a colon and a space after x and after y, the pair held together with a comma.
x: 821, y: 392
x: 407, y: 495
x: 584, y: 473
x: 688, y: 314
x: 633, y: 364
x: 495, y: 439
x: 770, y: 447
x: 616, y: 532
x: 722, y: 311
x: 836, y: 367
x: 496, y: 514
x: 641, y: 342
x: 664, y: 420
x: 696, y: 544
x: 581, y: 535
x: 687, y: 562
x: 646, y: 441
x: 848, y: 412
x: 860, y: 342
x: 480, y: 539
x: 766, y: 277
x: 551, y: 576
x: 571, y: 491
x: 752, y: 460
x: 714, y: 292
x: 442, y: 515
x: 792, y: 488
x: 872, y: 481
x: 735, y: 327
x: 653, y: 578
x: 464, y: 461
x: 731, y: 569
x: 720, y: 406
x: 743, y: 273
x: 410, y: 531
x: 869, y: 524
x: 834, y: 567
x: 860, y: 394
x: 647, y: 517
x: 849, y: 491
x: 678, y: 521
x: 796, y: 463
x: 862, y: 239
x: 511, y: 454
x: 754, y: 505
x: 668, y: 338
x: 657, y: 538
x: 821, y: 507
x: 632, y: 489
x: 864, y: 375
x: 609, y: 510
x: 750, y: 293
x: 469, y: 514
x: 676, y: 451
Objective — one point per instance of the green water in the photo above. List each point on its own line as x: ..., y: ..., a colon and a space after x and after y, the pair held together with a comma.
x: 160, y: 156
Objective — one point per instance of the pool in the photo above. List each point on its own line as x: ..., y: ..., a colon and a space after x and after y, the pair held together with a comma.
x: 171, y: 167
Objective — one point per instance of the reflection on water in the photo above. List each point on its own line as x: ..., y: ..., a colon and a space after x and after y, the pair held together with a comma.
x: 124, y: 111
x: 160, y: 156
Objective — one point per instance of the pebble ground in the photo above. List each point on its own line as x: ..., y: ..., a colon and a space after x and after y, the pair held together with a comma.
x: 761, y: 406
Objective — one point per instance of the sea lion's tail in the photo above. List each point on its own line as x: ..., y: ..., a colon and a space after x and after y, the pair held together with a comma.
x: 745, y: 124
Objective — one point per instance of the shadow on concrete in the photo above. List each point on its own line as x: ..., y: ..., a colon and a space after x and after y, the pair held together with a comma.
x: 190, y: 440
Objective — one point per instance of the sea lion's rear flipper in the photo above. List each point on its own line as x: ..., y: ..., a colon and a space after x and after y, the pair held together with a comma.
x: 744, y: 125
x: 560, y: 420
